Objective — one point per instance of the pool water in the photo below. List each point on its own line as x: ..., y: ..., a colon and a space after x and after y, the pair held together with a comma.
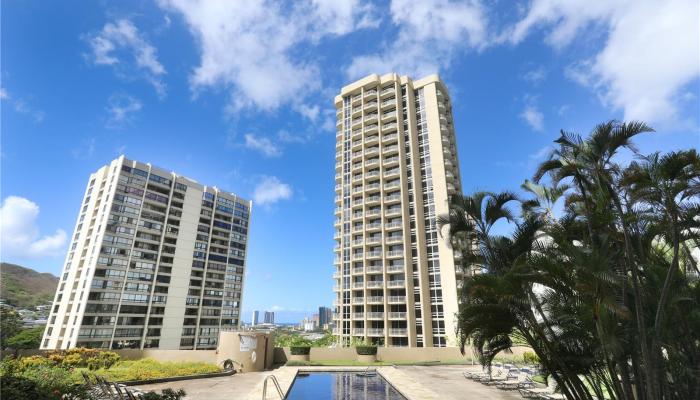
x: 341, y: 386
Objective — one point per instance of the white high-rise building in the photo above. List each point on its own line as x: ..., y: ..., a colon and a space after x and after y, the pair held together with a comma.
x: 157, y: 260
x: 256, y: 318
x: 396, y: 167
x: 269, y: 317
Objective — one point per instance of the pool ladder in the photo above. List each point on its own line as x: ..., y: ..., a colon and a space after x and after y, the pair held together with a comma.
x: 277, y: 386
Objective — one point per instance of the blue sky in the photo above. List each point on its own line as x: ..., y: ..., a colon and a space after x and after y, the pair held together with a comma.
x: 241, y: 96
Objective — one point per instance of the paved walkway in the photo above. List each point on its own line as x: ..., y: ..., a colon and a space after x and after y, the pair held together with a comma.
x: 438, y: 382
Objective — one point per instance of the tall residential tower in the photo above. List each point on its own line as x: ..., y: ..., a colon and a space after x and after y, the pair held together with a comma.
x: 156, y: 261
x: 396, y: 166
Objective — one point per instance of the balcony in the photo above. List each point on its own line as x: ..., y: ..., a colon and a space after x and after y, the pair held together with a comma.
x: 358, y: 270
x: 372, y: 174
x: 358, y: 331
x: 391, y: 137
x: 390, y: 160
x: 374, y: 284
x: 357, y: 202
x: 374, y: 254
x: 357, y: 228
x: 397, y: 315
x: 392, y: 211
x: 374, y: 226
x: 358, y: 300
x: 371, y: 128
x: 372, y: 139
x: 375, y: 332
x: 358, y: 285
x: 357, y: 214
x: 395, y: 268
x: 394, y: 239
x: 392, y: 198
x: 374, y: 268
x: 356, y: 121
x: 389, y: 127
x: 375, y: 299
x: 357, y: 256
x: 375, y: 315
x: 387, y: 91
x: 336, y: 275
x: 371, y: 117
x: 398, y: 332
x: 388, y: 116
x: 358, y: 242
x: 372, y: 161
x: 358, y: 315
x: 373, y: 212
x: 336, y: 288
x: 395, y: 253
x: 357, y: 178
x: 372, y: 187
x: 391, y: 149
x: 374, y: 240
x: 372, y: 151
x: 396, y: 284
x: 397, y: 299
x: 357, y: 133
x: 373, y: 199
x: 371, y: 105
x: 357, y: 189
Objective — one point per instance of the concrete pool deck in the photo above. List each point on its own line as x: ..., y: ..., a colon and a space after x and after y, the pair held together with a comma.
x: 443, y: 382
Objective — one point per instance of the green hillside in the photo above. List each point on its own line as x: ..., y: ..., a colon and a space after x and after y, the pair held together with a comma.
x: 25, y: 288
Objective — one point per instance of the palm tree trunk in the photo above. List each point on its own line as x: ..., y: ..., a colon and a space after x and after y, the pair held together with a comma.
x: 649, y: 368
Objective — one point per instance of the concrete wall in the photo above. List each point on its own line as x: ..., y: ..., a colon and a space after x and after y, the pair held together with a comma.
x: 257, y: 359
x: 393, y: 354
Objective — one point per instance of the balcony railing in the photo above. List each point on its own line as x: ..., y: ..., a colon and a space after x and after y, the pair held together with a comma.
x: 375, y: 315
x: 397, y: 299
x: 397, y: 315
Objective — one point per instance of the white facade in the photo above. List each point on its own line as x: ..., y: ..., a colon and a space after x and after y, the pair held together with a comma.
x: 156, y: 260
x: 396, y: 166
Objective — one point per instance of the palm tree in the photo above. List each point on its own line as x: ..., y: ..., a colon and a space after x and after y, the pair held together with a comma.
x: 583, y: 289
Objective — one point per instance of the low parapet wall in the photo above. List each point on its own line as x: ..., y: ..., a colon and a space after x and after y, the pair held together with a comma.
x: 395, y: 354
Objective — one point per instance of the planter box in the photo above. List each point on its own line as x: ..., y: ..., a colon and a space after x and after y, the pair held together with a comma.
x: 367, y: 358
x: 299, y: 357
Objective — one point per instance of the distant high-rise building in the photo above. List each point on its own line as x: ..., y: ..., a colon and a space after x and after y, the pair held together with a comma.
x: 157, y: 261
x: 269, y: 317
x: 325, y: 317
x: 396, y: 166
x: 256, y: 318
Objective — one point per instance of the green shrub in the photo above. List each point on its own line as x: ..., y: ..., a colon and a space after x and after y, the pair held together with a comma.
x: 166, y: 394
x: 530, y: 358
x: 132, y: 370
x: 366, y: 350
x: 300, y: 350
x: 37, y: 379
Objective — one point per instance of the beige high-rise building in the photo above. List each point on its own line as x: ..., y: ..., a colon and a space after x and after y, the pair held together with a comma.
x: 396, y: 166
x: 156, y: 261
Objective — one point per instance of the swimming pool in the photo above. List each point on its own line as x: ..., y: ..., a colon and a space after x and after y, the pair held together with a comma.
x: 347, y: 385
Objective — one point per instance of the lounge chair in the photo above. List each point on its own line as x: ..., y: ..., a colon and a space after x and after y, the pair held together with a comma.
x: 509, y: 376
x: 537, y: 393
x: 523, y: 382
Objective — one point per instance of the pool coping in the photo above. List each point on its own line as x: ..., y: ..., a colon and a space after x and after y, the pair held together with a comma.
x: 408, y: 388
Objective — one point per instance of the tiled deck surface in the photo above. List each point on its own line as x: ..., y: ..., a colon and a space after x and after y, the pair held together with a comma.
x: 415, y: 382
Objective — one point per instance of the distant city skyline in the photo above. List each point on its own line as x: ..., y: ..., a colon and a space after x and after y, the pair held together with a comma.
x: 169, y: 83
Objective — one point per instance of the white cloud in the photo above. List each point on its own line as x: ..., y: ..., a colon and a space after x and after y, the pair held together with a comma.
x: 310, y: 112
x: 3, y: 94
x: 263, y: 145
x: 121, y: 109
x: 650, y: 54
x: 85, y: 150
x: 430, y: 33
x: 22, y: 107
x: 248, y: 48
x: 533, y: 117
x: 19, y: 232
x: 123, y: 35
x: 271, y: 190
x: 535, y: 75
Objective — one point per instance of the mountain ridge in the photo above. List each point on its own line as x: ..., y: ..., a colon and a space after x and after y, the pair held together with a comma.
x: 24, y: 287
